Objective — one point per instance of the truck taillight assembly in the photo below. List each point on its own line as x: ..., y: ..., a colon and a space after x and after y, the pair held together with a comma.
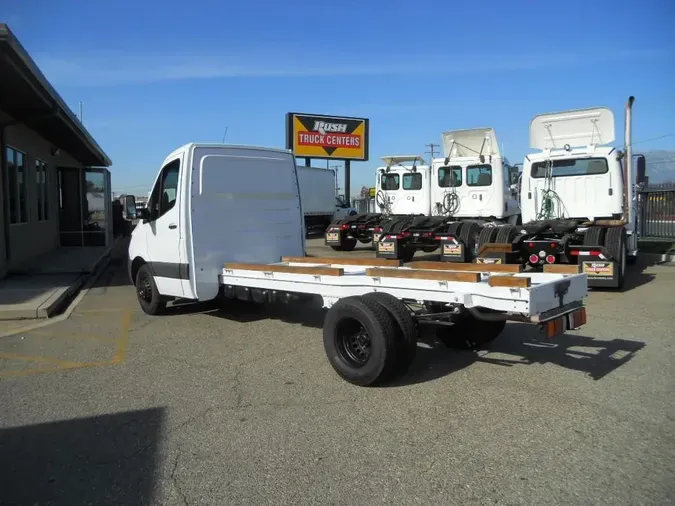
x: 344, y: 227
x: 550, y: 259
x: 534, y: 259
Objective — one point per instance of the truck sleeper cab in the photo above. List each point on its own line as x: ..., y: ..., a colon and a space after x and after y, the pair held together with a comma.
x: 574, y: 197
x: 228, y: 221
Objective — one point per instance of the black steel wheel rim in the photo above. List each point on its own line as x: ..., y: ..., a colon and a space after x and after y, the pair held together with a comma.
x: 144, y: 288
x: 353, y: 342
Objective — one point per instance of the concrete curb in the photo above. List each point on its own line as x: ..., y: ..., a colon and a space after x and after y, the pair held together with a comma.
x: 67, y: 296
x: 68, y: 300
x: 657, y: 258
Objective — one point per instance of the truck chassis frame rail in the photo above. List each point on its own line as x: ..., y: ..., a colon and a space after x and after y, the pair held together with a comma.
x: 375, y: 306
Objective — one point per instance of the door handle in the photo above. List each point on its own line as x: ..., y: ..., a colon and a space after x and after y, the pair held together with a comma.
x: 172, y: 226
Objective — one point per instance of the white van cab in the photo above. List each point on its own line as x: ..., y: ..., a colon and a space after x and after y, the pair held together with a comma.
x: 211, y: 204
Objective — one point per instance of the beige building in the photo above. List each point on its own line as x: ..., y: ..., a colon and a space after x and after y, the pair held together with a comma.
x: 55, y: 186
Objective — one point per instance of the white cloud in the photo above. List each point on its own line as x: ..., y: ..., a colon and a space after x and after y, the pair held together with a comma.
x: 117, y: 69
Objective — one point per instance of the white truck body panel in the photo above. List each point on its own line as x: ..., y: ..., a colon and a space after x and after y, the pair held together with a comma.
x: 317, y: 190
x: 482, y: 188
x: 586, y: 177
x: 233, y: 204
x: 405, y: 192
x: 577, y: 127
x: 589, y: 183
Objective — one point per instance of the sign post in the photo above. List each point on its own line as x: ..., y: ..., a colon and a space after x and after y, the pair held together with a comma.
x: 329, y: 138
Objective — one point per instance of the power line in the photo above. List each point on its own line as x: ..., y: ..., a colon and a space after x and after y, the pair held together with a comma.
x: 431, y: 151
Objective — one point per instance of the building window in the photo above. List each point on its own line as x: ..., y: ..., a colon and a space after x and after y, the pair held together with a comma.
x: 41, y: 188
x: 16, y: 172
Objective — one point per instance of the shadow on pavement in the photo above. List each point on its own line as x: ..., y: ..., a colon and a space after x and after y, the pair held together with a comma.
x: 108, y: 459
x: 595, y: 357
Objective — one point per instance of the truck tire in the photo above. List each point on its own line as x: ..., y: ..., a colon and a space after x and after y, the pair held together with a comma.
x: 469, y: 333
x: 487, y: 236
x: 615, y: 245
x: 406, y: 343
x: 149, y: 298
x: 506, y: 234
x: 469, y: 234
x: 359, y: 338
x: 595, y: 236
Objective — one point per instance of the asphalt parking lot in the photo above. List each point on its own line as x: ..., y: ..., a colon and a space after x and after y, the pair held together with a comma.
x: 238, y: 405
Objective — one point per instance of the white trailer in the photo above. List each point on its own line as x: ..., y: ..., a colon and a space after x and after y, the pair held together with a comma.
x: 578, y: 197
x: 226, y: 221
x: 320, y: 204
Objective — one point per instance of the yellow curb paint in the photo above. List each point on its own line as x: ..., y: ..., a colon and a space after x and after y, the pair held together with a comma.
x: 123, y: 339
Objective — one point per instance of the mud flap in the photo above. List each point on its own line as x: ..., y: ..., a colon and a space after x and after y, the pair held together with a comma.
x: 334, y: 236
x: 452, y: 250
x: 494, y: 253
x: 602, y: 273
x: 387, y: 247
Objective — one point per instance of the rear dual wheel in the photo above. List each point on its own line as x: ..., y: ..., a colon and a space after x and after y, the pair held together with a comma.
x: 470, y: 333
x: 370, y: 339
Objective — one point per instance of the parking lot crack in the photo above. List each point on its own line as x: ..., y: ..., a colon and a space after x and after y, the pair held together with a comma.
x: 174, y: 478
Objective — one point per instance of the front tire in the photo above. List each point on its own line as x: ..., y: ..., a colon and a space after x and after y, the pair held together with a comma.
x: 146, y: 291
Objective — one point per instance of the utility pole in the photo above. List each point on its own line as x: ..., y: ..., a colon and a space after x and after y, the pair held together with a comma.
x: 337, y: 180
x: 81, y: 112
x: 431, y: 151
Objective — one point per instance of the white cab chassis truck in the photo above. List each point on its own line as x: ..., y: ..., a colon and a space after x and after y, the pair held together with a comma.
x: 470, y: 195
x: 226, y: 221
x: 578, y: 198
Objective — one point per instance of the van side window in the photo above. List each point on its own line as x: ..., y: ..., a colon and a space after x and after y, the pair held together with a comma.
x: 163, y: 196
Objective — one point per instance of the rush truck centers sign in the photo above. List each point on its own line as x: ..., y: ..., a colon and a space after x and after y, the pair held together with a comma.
x: 318, y: 136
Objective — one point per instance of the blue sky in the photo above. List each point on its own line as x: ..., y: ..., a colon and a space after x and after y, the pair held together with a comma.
x: 155, y: 75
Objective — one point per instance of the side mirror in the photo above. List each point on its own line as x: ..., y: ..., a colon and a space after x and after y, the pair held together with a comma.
x: 129, y: 207
x: 640, y: 169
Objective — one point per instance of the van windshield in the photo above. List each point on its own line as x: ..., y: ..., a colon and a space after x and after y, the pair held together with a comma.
x: 570, y: 167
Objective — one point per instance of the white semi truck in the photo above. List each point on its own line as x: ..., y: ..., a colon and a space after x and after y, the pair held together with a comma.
x: 456, y: 203
x: 578, y: 198
x: 226, y: 221
x: 320, y: 205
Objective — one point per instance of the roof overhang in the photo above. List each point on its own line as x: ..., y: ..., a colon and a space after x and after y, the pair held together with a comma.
x: 27, y: 96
